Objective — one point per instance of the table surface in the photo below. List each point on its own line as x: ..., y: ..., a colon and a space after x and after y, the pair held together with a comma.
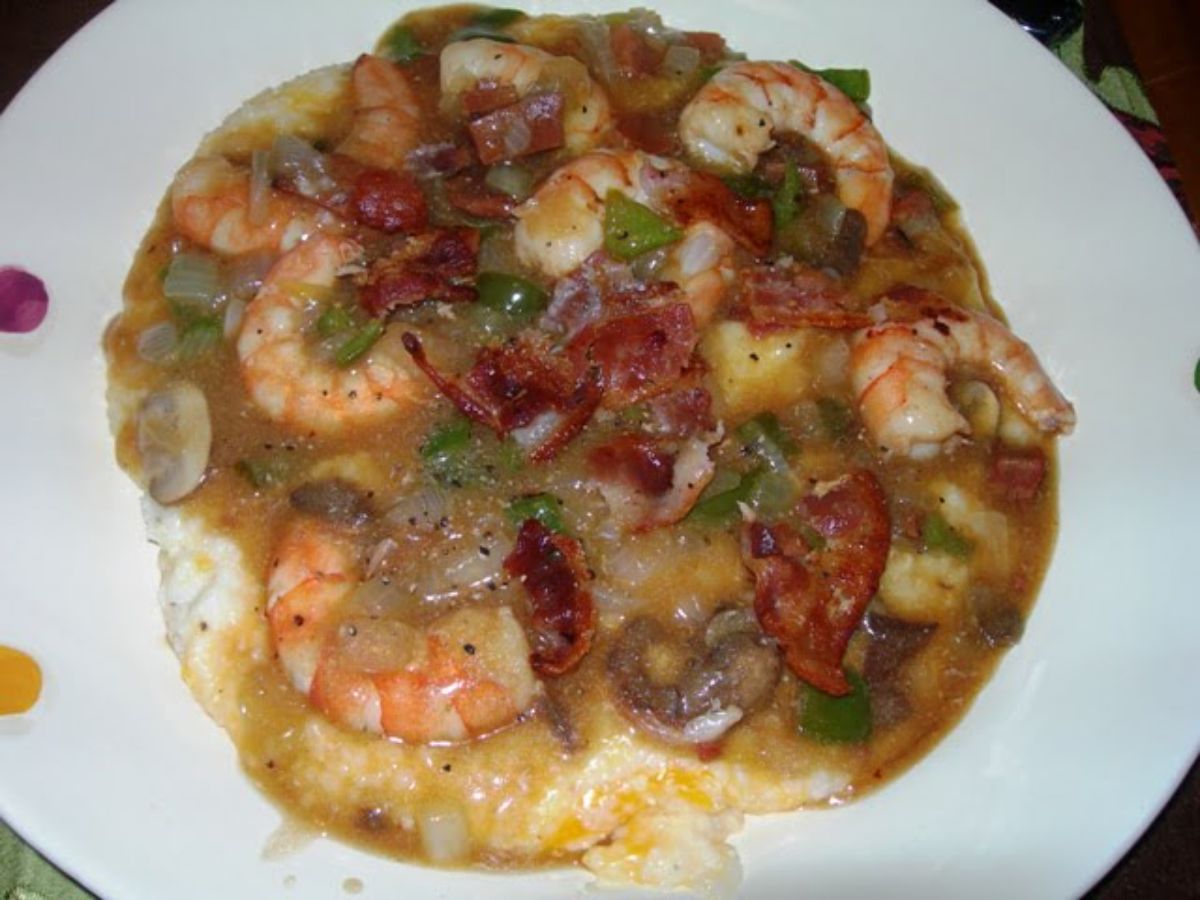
x: 1164, y: 864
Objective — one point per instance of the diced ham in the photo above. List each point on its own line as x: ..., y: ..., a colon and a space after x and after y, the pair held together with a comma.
x: 694, y: 196
x: 468, y: 193
x: 812, y: 598
x: 793, y: 296
x: 488, y: 96
x: 389, y: 201
x: 437, y: 265
x: 553, y: 571
x: 638, y: 355
x: 1017, y: 474
x: 531, y: 125
x: 650, y: 133
x: 633, y: 52
x: 646, y: 483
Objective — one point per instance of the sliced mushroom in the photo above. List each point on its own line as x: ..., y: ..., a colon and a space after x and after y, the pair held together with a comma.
x: 174, y: 438
x: 692, y: 688
x: 334, y: 500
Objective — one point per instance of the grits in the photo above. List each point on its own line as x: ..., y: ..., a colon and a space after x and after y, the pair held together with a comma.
x: 317, y: 569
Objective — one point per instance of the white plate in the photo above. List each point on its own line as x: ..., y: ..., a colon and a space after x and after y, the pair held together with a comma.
x: 1068, y: 753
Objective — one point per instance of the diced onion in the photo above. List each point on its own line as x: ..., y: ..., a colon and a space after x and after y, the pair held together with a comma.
x: 232, y: 320
x: 517, y: 138
x: 421, y: 510
x: 444, y: 835
x: 247, y: 273
x: 516, y: 181
x: 157, y: 343
x: 299, y: 161
x: 647, y: 266
x: 711, y: 725
x: 597, y: 40
x: 194, y: 277
x: 260, y: 187
x: 680, y: 59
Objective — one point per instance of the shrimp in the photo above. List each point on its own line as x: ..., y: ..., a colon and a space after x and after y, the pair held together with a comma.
x: 562, y: 224
x: 464, y: 675
x: 284, y: 376
x: 732, y: 119
x: 210, y: 201
x: 387, y: 117
x: 588, y: 115
x: 899, y: 369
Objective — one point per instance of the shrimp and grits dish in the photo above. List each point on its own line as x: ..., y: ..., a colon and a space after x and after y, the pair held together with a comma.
x: 566, y: 435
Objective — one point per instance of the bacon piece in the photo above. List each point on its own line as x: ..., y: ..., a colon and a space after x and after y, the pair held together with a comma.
x: 694, y: 196
x: 1017, y: 475
x: 563, y: 617
x: 531, y: 125
x: 468, y: 193
x: 680, y: 413
x: 512, y: 385
x: 812, y: 598
x: 389, y: 201
x: 434, y: 160
x: 599, y: 288
x: 639, y: 461
x: 382, y: 199
x: 633, y: 52
x: 488, y: 95
x: 645, y: 484
x: 793, y: 296
x: 639, y: 355
x: 437, y: 265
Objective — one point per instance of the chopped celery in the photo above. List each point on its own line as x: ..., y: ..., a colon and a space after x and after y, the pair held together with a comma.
x: 198, y: 336
x: 401, y: 44
x: 358, y: 343
x: 837, y: 720
x: 488, y: 23
x: 765, y: 437
x: 785, y: 202
x: 510, y: 295
x: 446, y: 450
x: 835, y: 416
x: 266, y: 471
x: 334, y: 320
x: 938, y: 535
x: 764, y: 491
x: 631, y: 229
x: 193, y: 277
x: 854, y: 83
x: 749, y: 186
x: 543, y: 507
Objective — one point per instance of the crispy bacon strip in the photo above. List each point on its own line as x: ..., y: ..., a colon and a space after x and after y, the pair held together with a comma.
x: 812, y: 598
x: 531, y: 125
x: 511, y: 385
x: 469, y: 193
x: 600, y: 288
x: 793, y: 296
x: 639, y: 355
x: 437, y: 265
x: 563, y: 618
x: 694, y: 196
x: 386, y: 200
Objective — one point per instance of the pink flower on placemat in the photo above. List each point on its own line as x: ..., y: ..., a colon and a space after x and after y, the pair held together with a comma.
x: 23, y: 300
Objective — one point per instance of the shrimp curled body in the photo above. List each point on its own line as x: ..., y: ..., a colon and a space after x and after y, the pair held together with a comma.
x: 282, y: 372
x: 562, y: 224
x: 387, y: 117
x: 464, y: 675
x: 899, y: 373
x: 732, y: 120
x: 588, y: 115
x: 210, y: 202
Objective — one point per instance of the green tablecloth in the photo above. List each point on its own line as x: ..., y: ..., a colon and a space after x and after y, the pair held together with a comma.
x: 24, y: 875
